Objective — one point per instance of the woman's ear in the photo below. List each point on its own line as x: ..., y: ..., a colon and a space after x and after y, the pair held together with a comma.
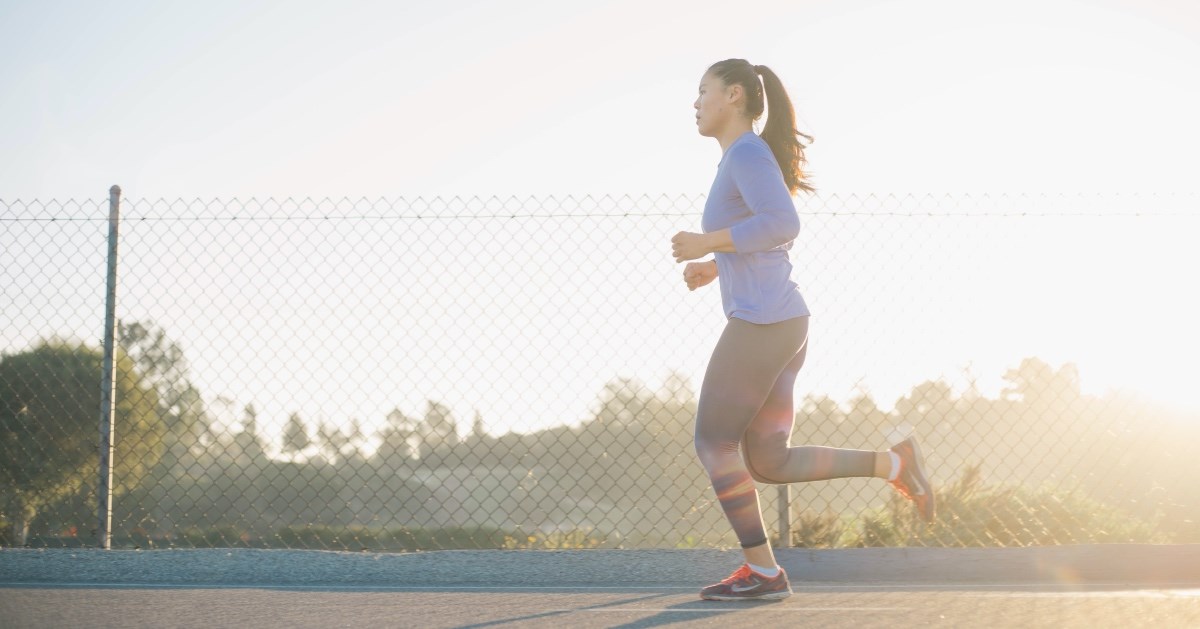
x: 734, y: 93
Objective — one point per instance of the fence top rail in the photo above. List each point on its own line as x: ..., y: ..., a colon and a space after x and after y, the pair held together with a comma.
x: 600, y: 206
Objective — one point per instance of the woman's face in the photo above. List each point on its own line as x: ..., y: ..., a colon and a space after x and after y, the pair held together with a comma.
x: 714, y: 106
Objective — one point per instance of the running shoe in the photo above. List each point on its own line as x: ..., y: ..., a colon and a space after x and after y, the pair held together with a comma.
x: 748, y: 585
x: 912, y: 482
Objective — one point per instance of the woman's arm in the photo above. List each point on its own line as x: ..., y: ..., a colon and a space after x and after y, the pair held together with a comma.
x: 720, y: 241
x: 690, y: 246
x: 759, y: 181
x: 774, y: 221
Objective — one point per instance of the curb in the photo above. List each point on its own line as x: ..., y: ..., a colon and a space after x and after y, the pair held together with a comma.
x: 1108, y: 565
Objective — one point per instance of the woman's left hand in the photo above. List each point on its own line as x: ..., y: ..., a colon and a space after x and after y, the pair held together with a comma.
x: 689, y: 246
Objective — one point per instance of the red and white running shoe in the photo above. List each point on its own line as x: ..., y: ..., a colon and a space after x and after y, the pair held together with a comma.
x: 747, y: 585
x: 911, y: 482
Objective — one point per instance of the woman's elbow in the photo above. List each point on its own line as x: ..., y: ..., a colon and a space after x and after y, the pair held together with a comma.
x: 790, y: 227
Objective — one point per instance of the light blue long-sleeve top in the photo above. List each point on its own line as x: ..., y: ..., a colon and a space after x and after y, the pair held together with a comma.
x: 750, y: 197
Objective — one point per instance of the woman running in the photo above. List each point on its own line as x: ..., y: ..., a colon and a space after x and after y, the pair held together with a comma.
x: 749, y: 223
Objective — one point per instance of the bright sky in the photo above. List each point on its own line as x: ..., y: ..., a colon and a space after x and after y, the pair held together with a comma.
x: 403, y: 99
x: 302, y: 98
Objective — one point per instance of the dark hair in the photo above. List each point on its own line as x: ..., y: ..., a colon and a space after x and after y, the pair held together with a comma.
x: 780, y: 131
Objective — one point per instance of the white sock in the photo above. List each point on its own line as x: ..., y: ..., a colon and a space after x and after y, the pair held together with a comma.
x: 766, y: 572
x: 895, y: 466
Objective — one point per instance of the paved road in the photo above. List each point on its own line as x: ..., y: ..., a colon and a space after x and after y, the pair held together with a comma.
x: 823, y: 606
x: 1081, y: 586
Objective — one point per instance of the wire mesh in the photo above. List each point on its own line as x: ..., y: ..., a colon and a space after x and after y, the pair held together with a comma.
x: 520, y: 373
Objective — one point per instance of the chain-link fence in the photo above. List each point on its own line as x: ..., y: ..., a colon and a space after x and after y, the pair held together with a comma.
x: 521, y: 373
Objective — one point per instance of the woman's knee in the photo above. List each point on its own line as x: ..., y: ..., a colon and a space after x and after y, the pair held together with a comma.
x: 765, y: 463
x: 716, y: 454
x: 705, y: 451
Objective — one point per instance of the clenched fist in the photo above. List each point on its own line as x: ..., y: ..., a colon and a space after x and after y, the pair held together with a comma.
x: 689, y: 246
x: 697, y: 274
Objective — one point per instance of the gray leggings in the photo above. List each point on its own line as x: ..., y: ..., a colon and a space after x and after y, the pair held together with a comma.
x: 746, y: 403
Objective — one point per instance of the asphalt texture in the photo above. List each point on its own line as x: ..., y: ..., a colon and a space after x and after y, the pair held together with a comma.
x: 1064, y: 586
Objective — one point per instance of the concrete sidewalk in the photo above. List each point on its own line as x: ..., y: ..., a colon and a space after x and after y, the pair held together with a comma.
x: 1132, y: 565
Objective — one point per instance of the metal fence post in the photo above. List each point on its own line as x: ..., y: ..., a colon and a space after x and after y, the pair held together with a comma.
x: 785, y: 515
x: 107, y: 377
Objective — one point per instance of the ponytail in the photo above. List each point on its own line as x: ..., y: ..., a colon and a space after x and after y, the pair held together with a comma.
x: 780, y: 131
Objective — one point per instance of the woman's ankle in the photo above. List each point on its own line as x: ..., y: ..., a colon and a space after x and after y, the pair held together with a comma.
x: 883, y: 464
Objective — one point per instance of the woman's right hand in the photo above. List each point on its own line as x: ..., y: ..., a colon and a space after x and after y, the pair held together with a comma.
x: 697, y: 274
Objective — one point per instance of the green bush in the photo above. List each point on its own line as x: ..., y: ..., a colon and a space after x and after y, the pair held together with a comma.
x: 972, y: 513
x: 412, y: 539
x: 819, y: 530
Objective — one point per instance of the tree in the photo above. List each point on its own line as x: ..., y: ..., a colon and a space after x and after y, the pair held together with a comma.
x: 865, y: 413
x: 333, y: 442
x: 247, y: 445
x: 672, y: 409
x: 355, y: 440
x: 397, y: 438
x: 163, y: 366
x: 439, y: 428
x: 478, y: 432
x: 622, y: 401
x: 817, y: 412
x: 1038, y: 384
x: 929, y: 407
x: 49, y: 428
x: 295, y: 435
